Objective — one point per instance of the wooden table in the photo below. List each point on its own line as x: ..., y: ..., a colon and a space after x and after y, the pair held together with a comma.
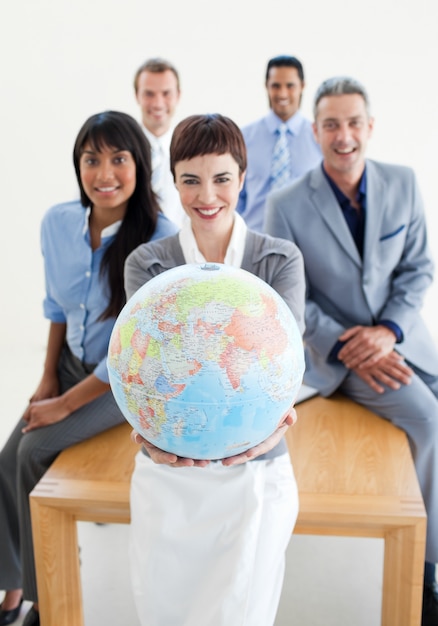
x: 355, y: 476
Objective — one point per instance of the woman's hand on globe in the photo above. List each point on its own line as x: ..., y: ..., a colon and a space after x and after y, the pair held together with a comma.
x: 265, y: 446
x: 166, y: 458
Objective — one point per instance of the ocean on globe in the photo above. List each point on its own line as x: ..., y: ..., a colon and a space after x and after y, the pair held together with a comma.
x: 205, y: 360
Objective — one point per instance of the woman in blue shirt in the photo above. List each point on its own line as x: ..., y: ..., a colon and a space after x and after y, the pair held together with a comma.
x: 85, y: 244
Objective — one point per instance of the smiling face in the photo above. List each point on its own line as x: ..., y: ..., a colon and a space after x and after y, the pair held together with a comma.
x: 209, y: 187
x: 285, y: 89
x: 108, y: 177
x: 158, y: 95
x: 342, y: 128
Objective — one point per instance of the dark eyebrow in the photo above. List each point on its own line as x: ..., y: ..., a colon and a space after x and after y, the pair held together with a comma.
x: 115, y: 151
x: 194, y: 175
x: 336, y: 119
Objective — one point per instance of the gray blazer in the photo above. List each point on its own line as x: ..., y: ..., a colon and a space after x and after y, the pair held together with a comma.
x: 343, y: 290
x: 279, y: 263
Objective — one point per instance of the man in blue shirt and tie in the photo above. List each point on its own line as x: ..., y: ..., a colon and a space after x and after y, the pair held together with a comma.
x: 281, y: 146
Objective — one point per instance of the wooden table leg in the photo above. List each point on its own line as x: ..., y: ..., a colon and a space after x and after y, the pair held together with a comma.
x: 57, y: 558
x: 403, y: 575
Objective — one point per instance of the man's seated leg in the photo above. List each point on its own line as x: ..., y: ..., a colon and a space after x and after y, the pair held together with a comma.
x: 414, y: 409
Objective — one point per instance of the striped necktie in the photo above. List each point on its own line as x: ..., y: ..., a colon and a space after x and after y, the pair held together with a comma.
x: 280, y: 170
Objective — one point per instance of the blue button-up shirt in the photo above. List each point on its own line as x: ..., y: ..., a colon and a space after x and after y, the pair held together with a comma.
x: 76, y: 294
x: 260, y: 139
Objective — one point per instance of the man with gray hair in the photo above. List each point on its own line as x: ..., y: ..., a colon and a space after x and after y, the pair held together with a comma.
x: 361, y: 227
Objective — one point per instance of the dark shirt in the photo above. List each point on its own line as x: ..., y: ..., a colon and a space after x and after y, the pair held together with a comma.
x: 354, y: 217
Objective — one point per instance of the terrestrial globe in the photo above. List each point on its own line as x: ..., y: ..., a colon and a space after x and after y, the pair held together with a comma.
x: 205, y: 361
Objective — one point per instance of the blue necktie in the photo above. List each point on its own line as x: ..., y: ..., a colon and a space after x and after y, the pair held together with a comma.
x: 280, y: 170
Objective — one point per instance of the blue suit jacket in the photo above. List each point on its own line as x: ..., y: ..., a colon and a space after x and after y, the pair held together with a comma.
x: 343, y: 290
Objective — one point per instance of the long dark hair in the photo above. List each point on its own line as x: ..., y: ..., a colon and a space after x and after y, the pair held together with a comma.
x: 120, y: 131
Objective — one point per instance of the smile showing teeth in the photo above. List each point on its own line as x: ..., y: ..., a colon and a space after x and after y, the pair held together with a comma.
x: 345, y: 150
x: 209, y: 212
x: 106, y: 189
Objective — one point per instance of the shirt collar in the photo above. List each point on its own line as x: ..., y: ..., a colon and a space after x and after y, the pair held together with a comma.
x: 340, y: 195
x: 109, y: 231
x: 163, y: 141
x: 235, y: 250
x: 293, y: 124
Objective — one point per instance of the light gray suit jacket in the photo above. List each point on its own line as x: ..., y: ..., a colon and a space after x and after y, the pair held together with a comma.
x: 343, y: 290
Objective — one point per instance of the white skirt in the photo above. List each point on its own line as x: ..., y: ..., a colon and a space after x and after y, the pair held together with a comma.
x: 208, y: 544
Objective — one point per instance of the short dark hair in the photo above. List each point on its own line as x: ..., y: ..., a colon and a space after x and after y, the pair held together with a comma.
x: 339, y: 86
x: 285, y: 61
x: 114, y: 129
x: 157, y: 65
x: 207, y: 134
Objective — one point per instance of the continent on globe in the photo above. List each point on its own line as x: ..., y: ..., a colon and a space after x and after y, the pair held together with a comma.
x: 205, y: 361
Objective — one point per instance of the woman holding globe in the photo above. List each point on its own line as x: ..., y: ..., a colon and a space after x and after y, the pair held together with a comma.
x: 208, y: 539
x: 85, y: 244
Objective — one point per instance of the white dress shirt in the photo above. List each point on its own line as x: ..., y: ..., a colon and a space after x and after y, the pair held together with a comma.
x: 235, y: 250
x: 162, y: 179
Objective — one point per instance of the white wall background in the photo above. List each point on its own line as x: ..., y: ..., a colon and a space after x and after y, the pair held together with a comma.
x: 63, y: 60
